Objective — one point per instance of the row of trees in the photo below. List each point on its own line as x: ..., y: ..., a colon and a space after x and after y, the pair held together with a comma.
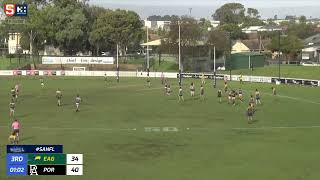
x: 233, y: 17
x: 75, y: 26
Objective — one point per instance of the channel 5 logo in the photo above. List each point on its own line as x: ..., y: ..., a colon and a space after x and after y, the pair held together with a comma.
x: 16, y: 10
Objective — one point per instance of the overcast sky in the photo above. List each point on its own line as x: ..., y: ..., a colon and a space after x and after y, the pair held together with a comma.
x: 256, y: 3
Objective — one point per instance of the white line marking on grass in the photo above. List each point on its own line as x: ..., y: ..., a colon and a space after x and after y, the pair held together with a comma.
x: 77, y: 128
x: 165, y: 129
x: 298, y: 99
x: 280, y: 127
x: 289, y: 97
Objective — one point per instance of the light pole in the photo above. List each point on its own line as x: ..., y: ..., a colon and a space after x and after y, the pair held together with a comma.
x: 279, y: 50
x: 117, y: 62
x: 273, y: 29
x: 214, y: 67
x: 179, y: 53
x: 230, y: 46
x: 148, y: 58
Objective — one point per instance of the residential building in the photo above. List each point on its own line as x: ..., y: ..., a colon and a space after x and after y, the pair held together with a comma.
x: 252, y: 45
x: 14, y: 42
x: 251, y: 29
x: 311, y: 51
x: 156, y: 24
x: 215, y: 24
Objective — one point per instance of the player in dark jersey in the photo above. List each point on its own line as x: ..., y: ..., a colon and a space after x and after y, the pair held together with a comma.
x: 148, y: 82
x: 192, y: 90
x: 13, y: 94
x: 219, y: 95
x: 180, y: 94
x: 229, y: 97
x: 201, y: 92
x: 168, y: 90
x: 12, y: 107
x: 258, y: 98
x: 240, y: 95
x: 233, y: 97
x: 251, y: 100
x: 165, y: 88
x: 59, y: 97
x: 250, y: 113
x: 105, y: 78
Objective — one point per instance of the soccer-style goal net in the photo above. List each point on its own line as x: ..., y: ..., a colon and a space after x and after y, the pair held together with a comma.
x: 79, y: 68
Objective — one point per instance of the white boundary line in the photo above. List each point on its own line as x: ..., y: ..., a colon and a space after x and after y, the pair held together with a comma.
x: 280, y: 127
x: 179, y: 129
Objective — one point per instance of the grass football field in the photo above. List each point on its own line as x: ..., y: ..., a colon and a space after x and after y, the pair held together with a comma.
x: 212, y: 141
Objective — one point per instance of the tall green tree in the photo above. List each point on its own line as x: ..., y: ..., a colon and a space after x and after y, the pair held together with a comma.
x: 66, y: 28
x: 190, y: 37
x: 220, y: 40
x: 230, y: 13
x: 117, y: 27
x: 234, y: 31
x: 253, y: 13
x: 205, y: 24
x: 290, y: 46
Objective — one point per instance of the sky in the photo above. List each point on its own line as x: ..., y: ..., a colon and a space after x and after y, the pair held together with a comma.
x: 256, y: 3
x: 205, y: 8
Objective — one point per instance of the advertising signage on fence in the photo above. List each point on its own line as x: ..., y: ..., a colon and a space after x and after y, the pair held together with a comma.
x: 77, y: 60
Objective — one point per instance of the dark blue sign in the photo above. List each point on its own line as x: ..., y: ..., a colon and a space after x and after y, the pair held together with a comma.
x: 17, y: 159
x: 21, y: 10
x: 34, y: 149
x: 17, y: 170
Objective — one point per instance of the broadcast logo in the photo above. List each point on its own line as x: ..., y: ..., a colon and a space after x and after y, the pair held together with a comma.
x: 33, y: 170
x: 16, y: 10
x: 37, y: 158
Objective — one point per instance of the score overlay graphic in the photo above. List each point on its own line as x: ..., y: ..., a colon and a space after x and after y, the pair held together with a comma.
x: 37, y: 160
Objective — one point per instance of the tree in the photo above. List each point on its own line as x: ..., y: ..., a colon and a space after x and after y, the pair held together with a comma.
x: 190, y: 36
x: 301, y: 30
x: 230, y: 13
x: 66, y: 27
x: 220, y: 40
x: 253, y: 13
x: 92, y: 13
x: 205, y: 24
x: 302, y: 19
x: 290, y: 46
x: 234, y: 30
x: 251, y: 21
x: 117, y: 27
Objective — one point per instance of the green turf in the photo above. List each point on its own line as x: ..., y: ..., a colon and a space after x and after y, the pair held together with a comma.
x: 14, y: 63
x: 292, y: 71
x: 210, y: 149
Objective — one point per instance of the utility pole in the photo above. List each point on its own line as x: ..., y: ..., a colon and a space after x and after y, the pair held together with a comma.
x: 214, y: 67
x: 279, y: 47
x: 148, y: 58
x: 180, y: 69
x: 117, y: 62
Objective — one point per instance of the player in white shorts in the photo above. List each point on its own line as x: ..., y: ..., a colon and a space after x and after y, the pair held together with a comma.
x: 78, y: 101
